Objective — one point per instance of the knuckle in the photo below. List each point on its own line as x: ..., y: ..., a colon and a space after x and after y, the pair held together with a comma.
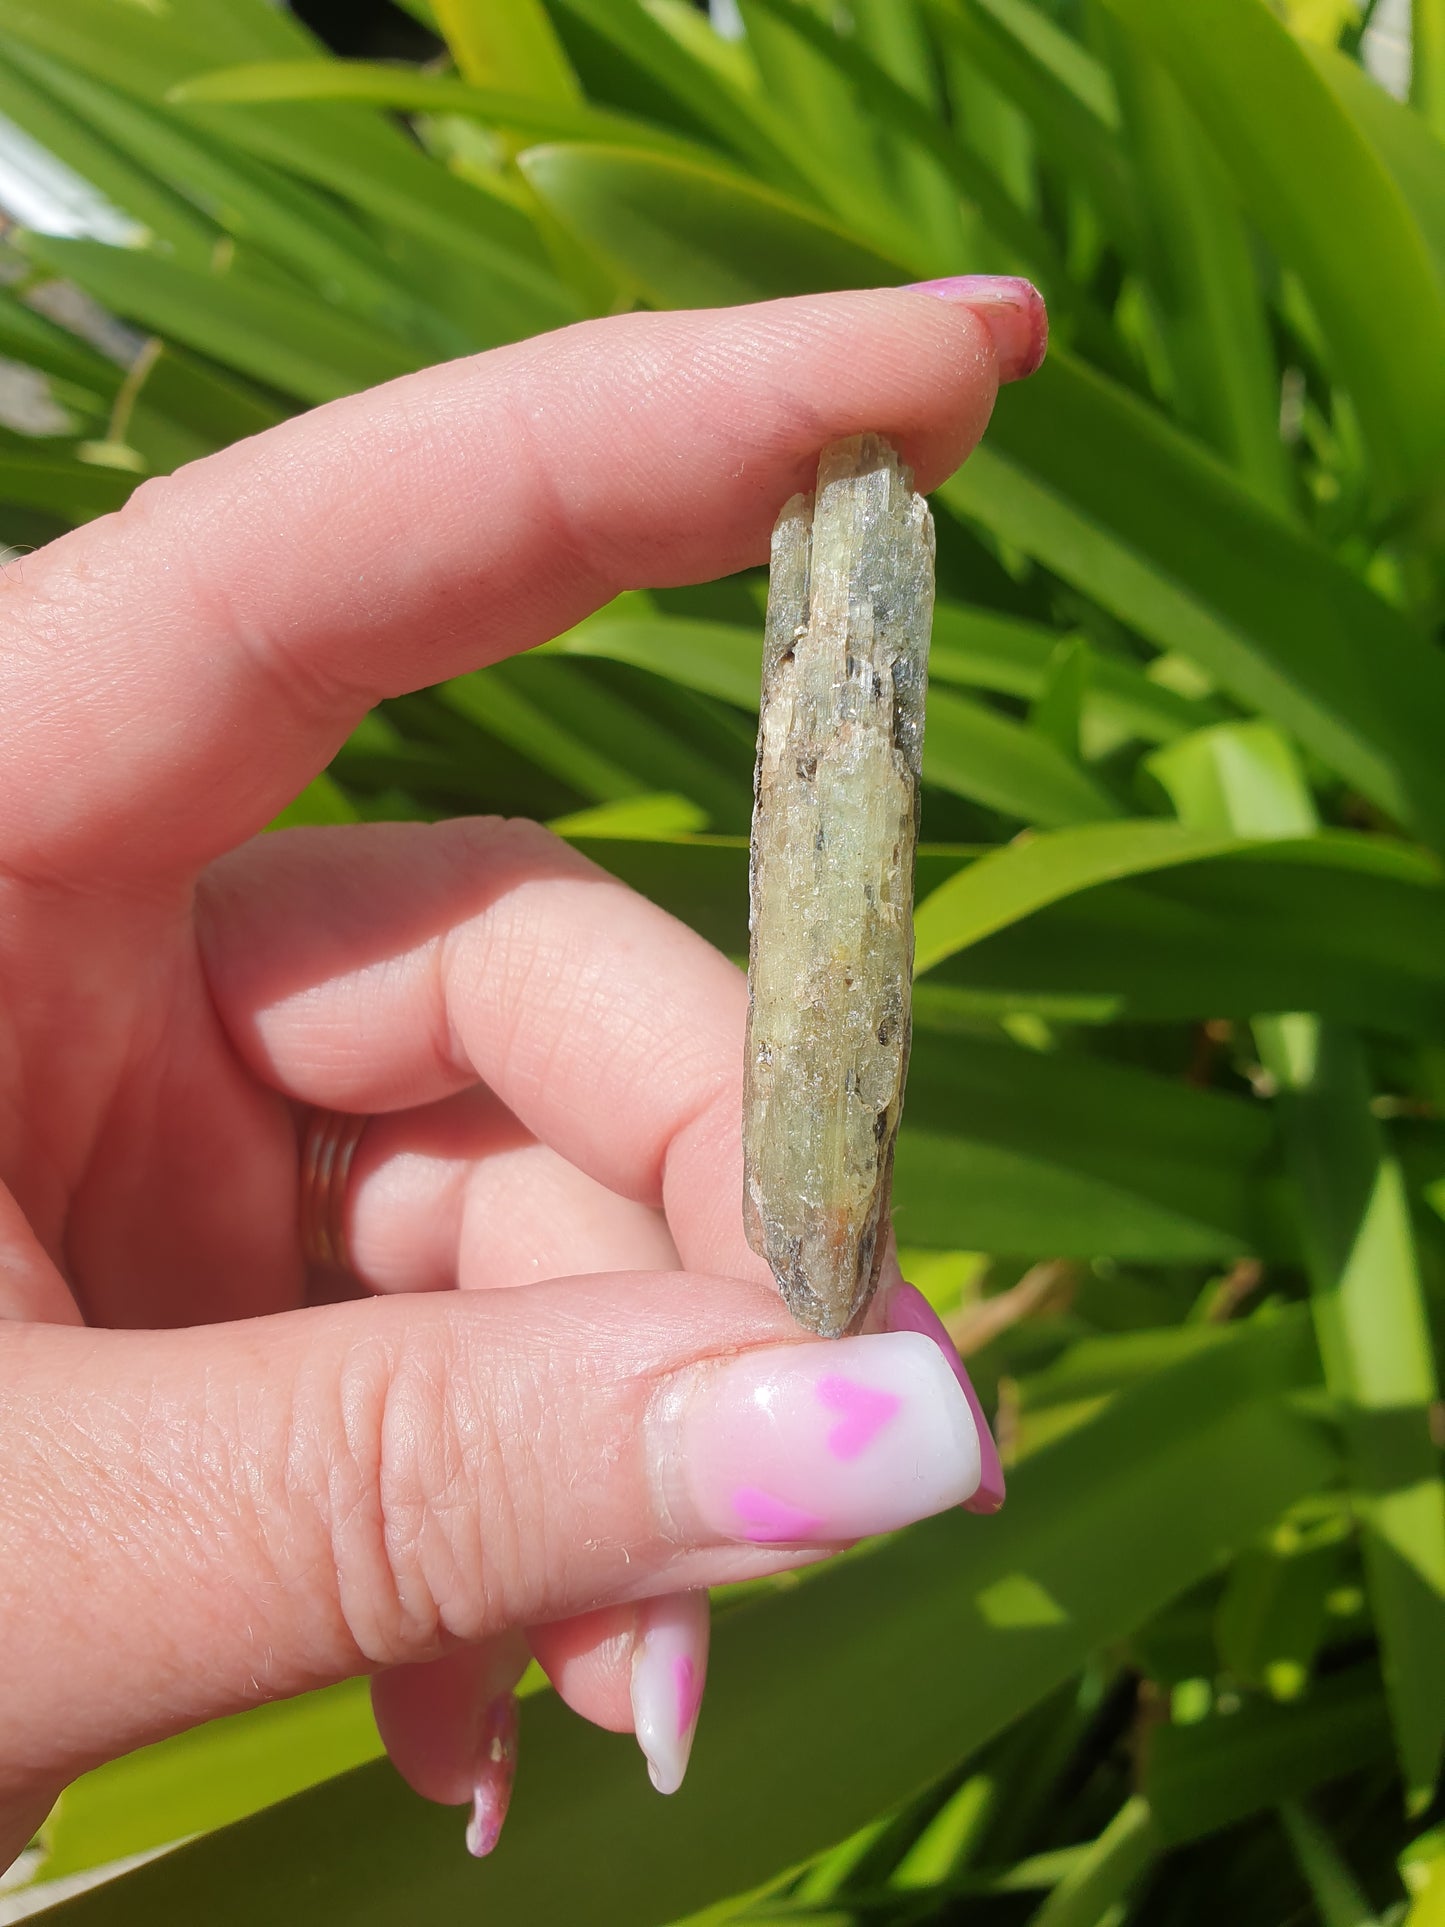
x: 429, y: 1499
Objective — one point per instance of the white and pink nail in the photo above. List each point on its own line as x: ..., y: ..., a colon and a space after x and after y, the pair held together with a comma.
x: 494, y: 1770
x: 669, y: 1670
x: 818, y: 1444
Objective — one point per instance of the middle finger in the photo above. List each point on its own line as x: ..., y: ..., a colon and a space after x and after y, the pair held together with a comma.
x: 460, y: 1193
x: 382, y: 967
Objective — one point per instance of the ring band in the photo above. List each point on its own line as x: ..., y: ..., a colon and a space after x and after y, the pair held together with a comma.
x: 327, y: 1149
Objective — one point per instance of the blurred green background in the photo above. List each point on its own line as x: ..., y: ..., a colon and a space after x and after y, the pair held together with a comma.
x: 1174, y: 1158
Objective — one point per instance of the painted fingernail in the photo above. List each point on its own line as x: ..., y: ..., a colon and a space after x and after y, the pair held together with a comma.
x: 905, y: 1309
x: 669, y: 1668
x: 1012, y: 310
x: 496, y: 1768
x: 818, y: 1444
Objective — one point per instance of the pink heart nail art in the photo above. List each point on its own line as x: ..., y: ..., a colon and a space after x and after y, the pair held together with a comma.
x: 864, y: 1413
x: 687, y: 1680
x: 768, y: 1519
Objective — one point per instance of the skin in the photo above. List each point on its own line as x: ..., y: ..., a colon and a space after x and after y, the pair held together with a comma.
x: 214, y: 1490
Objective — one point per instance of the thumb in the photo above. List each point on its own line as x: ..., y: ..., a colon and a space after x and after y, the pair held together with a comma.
x: 251, y: 1510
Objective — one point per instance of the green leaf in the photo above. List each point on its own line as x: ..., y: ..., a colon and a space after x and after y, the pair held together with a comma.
x: 1013, y: 882
x: 1056, y: 1153
x: 1017, y: 1607
x: 338, y: 146
x: 642, y: 817
x: 563, y: 719
x: 1102, y: 490
x: 1107, y: 1870
x: 40, y: 343
x: 515, y: 45
x: 1074, y: 120
x: 1375, y: 1340
x: 1369, y: 1308
x: 910, y: 120
x: 805, y: 84
x: 1327, y: 204
x: 270, y: 332
x: 209, y: 1777
x: 494, y: 699
x: 976, y: 751
x: 692, y: 236
x: 747, y: 126
x: 247, y: 199
x: 717, y: 658
x: 1213, y: 1772
x: 322, y: 801
x: 159, y: 211
x: 75, y: 491
x: 1242, y: 777
x: 412, y: 90
x: 183, y: 406
x: 1336, y: 1892
x: 1265, y: 929
x: 1055, y: 52
x: 1273, y: 1614
x: 1058, y: 714
x: 984, y: 650
x: 1202, y: 277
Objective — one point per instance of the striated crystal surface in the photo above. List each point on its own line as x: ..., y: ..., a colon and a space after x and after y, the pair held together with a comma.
x: 835, y: 821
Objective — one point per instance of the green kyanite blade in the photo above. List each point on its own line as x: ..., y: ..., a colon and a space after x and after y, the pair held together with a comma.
x: 835, y: 821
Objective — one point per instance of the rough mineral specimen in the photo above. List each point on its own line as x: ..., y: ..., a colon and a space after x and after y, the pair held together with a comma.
x: 835, y: 821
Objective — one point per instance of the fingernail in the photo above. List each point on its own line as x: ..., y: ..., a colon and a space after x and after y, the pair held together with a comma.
x: 669, y: 1668
x: 905, y: 1309
x: 817, y: 1444
x: 496, y: 1768
x: 1012, y: 310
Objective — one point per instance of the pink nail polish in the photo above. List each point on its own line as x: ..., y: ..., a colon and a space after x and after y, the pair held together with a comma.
x: 906, y: 1309
x: 817, y: 1444
x: 669, y: 1668
x: 496, y: 1768
x: 1012, y: 310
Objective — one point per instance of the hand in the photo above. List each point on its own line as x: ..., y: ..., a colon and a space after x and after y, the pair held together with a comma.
x: 212, y: 1492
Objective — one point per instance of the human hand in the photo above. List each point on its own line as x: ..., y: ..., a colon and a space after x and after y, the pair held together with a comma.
x: 212, y: 1490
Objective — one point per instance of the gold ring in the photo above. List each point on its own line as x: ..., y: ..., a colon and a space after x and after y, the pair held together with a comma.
x: 327, y: 1149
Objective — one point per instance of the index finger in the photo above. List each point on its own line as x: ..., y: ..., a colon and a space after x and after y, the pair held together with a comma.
x: 190, y: 662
